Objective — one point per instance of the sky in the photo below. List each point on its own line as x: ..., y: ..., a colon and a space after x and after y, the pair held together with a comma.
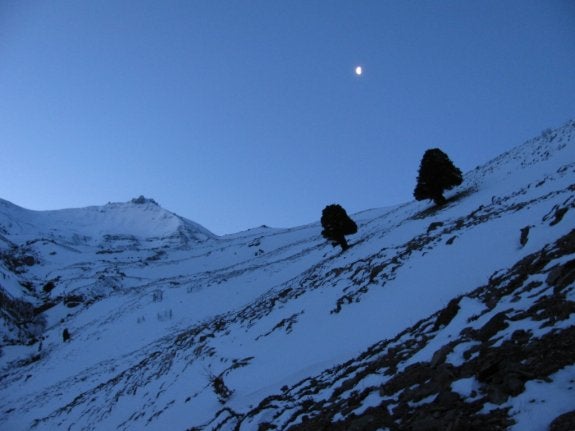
x: 236, y: 114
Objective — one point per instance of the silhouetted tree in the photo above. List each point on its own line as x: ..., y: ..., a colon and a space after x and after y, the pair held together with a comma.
x: 436, y: 174
x: 336, y: 224
x: 66, y: 335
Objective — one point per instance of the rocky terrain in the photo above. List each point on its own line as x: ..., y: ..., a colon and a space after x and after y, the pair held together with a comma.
x: 437, y: 318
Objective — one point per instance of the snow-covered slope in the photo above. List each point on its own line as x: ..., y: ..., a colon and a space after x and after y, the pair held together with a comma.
x: 458, y: 317
x: 141, y: 219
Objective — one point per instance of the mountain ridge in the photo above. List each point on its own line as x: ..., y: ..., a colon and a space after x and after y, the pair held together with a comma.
x: 112, y: 218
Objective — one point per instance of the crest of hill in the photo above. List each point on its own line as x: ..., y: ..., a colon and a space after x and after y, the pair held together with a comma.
x: 141, y: 218
x: 542, y: 154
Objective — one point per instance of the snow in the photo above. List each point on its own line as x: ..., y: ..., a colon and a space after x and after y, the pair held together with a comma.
x: 541, y: 402
x: 467, y: 388
x: 167, y: 304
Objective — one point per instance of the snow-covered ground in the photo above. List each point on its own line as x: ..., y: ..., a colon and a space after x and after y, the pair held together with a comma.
x: 158, y: 307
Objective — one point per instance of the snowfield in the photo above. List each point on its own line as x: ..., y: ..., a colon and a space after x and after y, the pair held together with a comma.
x: 458, y: 317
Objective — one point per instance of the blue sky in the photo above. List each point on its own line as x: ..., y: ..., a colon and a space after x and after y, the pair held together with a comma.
x: 241, y: 113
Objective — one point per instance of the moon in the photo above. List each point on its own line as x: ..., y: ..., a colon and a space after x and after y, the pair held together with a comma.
x: 358, y: 70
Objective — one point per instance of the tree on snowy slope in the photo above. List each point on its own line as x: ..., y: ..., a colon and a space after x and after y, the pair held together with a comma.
x: 437, y: 173
x: 336, y: 224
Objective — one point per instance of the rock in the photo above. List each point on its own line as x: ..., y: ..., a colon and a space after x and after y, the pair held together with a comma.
x: 141, y: 200
x: 29, y: 260
x: 565, y: 422
x: 361, y: 423
x: 444, y: 375
x: 447, y: 314
x: 520, y: 336
x: 513, y: 385
x: 524, y: 235
x: 552, y: 308
x: 559, y: 214
x: 48, y: 287
x: 426, y: 424
x: 497, y: 396
x: 447, y: 399
x: 434, y: 226
x: 493, y: 326
x: 562, y: 276
x: 440, y: 355
x: 72, y: 301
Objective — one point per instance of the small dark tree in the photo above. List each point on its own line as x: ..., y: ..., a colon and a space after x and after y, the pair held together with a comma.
x: 436, y: 174
x: 336, y: 224
x: 66, y: 335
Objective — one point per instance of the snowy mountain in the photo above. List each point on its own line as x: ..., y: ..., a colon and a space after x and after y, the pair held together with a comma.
x: 451, y: 318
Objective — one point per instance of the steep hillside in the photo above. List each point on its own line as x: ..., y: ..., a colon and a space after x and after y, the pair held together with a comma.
x: 451, y: 318
x: 39, y: 249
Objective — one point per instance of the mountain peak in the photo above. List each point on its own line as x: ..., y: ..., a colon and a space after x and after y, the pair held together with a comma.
x: 141, y: 200
x: 141, y: 218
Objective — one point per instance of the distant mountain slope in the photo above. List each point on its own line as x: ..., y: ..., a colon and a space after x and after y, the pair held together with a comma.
x: 35, y: 244
x: 141, y: 218
x: 458, y: 317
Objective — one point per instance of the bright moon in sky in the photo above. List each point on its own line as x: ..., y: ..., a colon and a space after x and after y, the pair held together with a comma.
x: 358, y: 70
